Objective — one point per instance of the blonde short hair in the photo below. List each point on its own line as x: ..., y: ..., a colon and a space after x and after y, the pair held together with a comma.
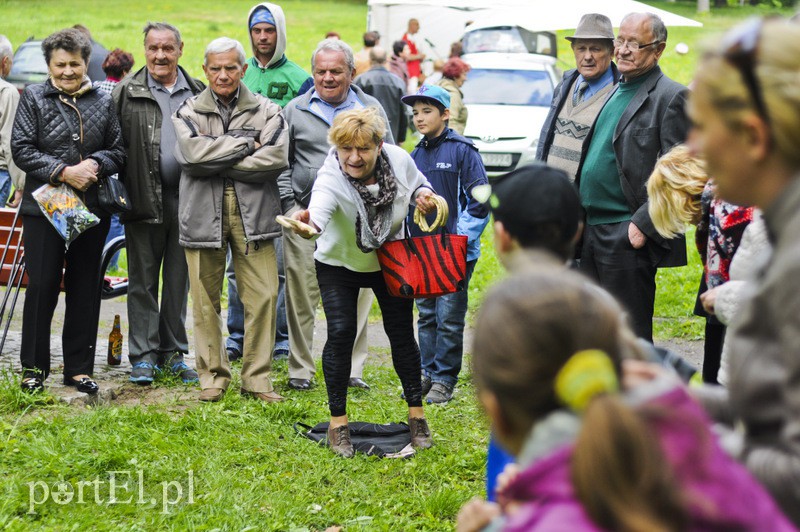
x: 674, y: 190
x: 360, y: 127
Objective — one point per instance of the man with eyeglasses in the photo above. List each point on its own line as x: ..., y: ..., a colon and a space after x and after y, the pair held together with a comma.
x: 580, y: 96
x: 642, y: 119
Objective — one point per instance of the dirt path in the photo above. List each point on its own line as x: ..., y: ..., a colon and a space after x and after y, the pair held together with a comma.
x: 113, y: 379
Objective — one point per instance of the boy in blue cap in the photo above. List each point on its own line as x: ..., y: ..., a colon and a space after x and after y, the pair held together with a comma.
x: 453, y: 166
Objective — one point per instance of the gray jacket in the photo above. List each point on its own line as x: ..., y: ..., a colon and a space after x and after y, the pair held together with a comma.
x: 308, y: 147
x: 653, y: 122
x: 209, y: 154
x: 764, y: 372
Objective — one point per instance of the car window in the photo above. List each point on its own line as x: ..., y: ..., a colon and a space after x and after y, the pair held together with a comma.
x: 507, y: 87
x: 29, y: 60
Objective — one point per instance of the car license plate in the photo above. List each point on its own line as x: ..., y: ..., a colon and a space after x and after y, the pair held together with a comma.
x: 496, y: 159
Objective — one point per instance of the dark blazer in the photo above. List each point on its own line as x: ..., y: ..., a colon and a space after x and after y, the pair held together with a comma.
x: 559, y: 97
x: 651, y: 125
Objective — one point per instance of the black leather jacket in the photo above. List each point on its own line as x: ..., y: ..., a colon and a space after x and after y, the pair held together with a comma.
x: 53, y: 131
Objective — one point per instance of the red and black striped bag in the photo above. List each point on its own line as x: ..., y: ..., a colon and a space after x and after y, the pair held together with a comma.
x: 425, y: 266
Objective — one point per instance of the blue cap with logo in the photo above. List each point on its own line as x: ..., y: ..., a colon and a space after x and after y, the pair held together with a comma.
x: 430, y: 93
x: 261, y: 14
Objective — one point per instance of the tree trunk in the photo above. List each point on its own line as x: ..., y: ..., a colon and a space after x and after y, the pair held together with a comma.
x: 703, y: 6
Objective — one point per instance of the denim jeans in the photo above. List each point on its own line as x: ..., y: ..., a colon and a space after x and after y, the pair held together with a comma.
x: 5, y: 187
x: 236, y: 309
x: 440, y: 328
x: 114, y: 231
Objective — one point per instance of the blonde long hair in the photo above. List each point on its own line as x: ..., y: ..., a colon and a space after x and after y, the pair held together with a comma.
x: 674, y: 191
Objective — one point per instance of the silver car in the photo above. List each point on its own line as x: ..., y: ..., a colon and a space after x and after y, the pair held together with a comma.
x: 508, y: 96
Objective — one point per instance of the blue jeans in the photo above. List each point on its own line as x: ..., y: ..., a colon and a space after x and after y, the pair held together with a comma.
x: 440, y: 327
x: 114, y: 231
x: 5, y: 187
x: 236, y: 309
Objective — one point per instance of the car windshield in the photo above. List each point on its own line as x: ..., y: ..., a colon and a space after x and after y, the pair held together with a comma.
x: 28, y: 60
x: 507, y: 87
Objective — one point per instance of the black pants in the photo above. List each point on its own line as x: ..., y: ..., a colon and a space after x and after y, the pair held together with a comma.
x: 628, y: 274
x: 45, y: 256
x: 712, y: 350
x: 339, y: 288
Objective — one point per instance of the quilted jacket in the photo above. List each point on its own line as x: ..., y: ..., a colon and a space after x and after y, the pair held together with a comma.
x: 141, y: 119
x: 53, y: 131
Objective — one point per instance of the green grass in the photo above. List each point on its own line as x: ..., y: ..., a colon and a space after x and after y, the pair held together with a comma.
x: 249, y: 467
x: 250, y: 470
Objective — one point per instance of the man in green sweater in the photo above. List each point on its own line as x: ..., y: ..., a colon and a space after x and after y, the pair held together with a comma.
x: 642, y: 119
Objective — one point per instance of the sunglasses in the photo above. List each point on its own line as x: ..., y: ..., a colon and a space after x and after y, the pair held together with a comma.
x: 740, y: 49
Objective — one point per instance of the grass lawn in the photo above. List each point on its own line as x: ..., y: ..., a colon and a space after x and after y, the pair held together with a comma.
x: 238, y: 465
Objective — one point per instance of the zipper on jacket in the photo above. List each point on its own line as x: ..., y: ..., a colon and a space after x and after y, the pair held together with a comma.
x: 80, y: 135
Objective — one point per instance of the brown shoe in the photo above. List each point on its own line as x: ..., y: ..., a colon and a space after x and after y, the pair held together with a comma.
x: 339, y: 441
x: 211, y: 395
x: 420, y: 433
x: 267, y: 397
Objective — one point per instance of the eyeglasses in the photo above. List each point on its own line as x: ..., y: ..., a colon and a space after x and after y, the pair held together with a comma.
x: 633, y: 46
x: 740, y: 49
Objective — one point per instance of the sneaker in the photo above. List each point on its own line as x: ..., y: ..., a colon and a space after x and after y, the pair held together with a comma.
x: 142, y: 373
x: 426, y: 385
x: 187, y: 374
x: 280, y: 354
x: 440, y: 393
x: 339, y: 441
x: 420, y: 433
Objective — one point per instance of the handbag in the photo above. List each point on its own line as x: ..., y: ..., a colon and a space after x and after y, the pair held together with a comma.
x: 425, y: 266
x: 112, y: 196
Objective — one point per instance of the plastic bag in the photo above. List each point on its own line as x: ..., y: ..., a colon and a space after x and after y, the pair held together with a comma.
x: 65, y: 210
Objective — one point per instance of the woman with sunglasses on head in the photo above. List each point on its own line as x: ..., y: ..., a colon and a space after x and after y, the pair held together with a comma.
x: 746, y: 115
x: 595, y: 451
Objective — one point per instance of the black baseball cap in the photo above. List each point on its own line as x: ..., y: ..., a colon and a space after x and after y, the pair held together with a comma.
x: 532, y: 195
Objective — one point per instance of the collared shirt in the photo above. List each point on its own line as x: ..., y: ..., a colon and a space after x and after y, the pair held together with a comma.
x: 226, y: 109
x: 595, y: 85
x: 327, y: 111
x: 169, y: 101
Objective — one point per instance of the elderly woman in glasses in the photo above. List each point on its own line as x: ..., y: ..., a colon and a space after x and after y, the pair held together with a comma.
x: 746, y: 114
x: 359, y: 201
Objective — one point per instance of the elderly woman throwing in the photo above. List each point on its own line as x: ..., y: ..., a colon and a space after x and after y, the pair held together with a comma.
x: 65, y: 132
x: 359, y: 201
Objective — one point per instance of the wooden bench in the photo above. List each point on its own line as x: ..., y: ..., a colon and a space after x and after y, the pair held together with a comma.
x: 14, y: 277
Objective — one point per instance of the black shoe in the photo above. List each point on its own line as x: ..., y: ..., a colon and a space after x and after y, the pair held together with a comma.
x: 300, y: 384
x: 356, y: 382
x: 280, y: 354
x: 85, y: 385
x: 31, y: 385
